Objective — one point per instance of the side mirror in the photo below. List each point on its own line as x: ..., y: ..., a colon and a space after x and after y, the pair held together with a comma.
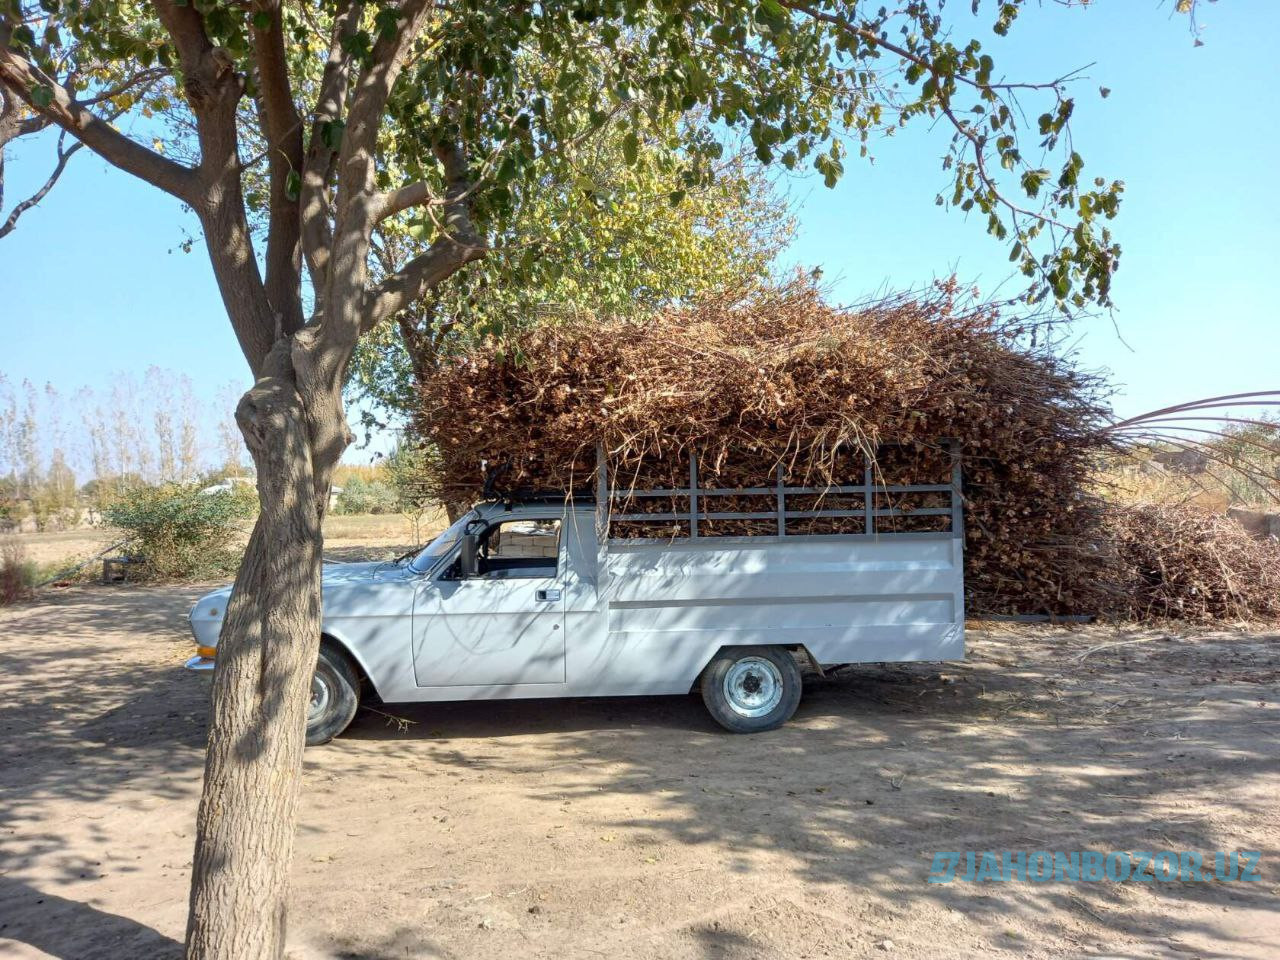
x: 469, y: 557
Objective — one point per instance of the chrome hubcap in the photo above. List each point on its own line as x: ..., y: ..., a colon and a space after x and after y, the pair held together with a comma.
x: 753, y: 686
x: 321, y: 693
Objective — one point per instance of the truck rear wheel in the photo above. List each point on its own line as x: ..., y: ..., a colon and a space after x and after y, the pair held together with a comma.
x: 335, y: 695
x: 750, y: 689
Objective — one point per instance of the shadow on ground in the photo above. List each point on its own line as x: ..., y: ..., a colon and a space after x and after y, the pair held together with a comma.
x: 1044, y: 740
x: 1158, y: 743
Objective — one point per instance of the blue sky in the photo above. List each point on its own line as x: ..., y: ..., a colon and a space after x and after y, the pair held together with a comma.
x: 1193, y: 132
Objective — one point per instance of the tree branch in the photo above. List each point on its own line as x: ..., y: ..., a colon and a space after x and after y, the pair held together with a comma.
x: 11, y: 222
x: 344, y: 292
x: 282, y: 131
x: 144, y: 78
x: 390, y: 203
x: 457, y: 245
x: 874, y: 39
x: 185, y: 24
x: 353, y: 209
x: 319, y: 162
x: 20, y: 77
x: 213, y: 90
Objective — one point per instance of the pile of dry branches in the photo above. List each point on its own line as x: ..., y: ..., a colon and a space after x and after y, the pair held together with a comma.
x: 755, y: 380
x: 1182, y: 562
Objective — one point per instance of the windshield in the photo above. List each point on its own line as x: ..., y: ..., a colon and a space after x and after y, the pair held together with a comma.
x: 442, y: 544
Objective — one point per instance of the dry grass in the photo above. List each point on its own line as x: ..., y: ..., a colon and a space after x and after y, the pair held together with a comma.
x: 1127, y: 482
x: 368, y: 526
x: 368, y: 472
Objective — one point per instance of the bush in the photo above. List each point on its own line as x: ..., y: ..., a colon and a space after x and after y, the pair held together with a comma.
x: 17, y: 573
x: 178, y: 532
x: 366, y: 496
x: 408, y: 470
x: 245, y: 496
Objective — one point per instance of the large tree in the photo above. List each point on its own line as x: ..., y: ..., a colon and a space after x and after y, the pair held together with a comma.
x: 294, y: 129
x: 621, y: 247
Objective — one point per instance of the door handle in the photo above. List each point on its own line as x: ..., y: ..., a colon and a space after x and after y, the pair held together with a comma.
x: 549, y: 594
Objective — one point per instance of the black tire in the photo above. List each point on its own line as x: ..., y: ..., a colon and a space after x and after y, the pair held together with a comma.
x: 335, y: 695
x: 751, y: 689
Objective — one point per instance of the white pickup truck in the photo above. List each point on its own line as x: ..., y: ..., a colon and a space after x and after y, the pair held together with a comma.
x: 535, y: 599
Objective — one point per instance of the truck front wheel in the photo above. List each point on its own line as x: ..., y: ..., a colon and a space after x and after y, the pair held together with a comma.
x: 750, y: 689
x: 335, y: 694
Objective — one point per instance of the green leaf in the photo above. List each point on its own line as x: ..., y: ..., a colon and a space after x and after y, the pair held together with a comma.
x: 631, y: 148
x: 262, y: 20
x: 331, y: 133
x: 387, y: 21
x: 41, y: 96
x: 359, y: 45
x: 293, y: 185
x: 772, y: 14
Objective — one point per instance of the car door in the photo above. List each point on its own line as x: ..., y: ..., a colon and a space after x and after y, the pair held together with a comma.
x: 504, y: 626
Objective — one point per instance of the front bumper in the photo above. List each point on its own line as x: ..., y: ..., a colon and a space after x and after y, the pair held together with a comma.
x: 199, y: 663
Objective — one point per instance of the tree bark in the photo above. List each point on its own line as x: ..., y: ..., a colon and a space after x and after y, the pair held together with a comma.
x: 266, y: 656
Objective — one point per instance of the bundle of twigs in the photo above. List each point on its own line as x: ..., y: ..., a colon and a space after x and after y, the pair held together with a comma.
x: 779, y: 381
x: 780, y: 377
x: 1182, y: 562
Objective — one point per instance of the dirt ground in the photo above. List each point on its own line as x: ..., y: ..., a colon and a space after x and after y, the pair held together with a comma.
x: 635, y: 828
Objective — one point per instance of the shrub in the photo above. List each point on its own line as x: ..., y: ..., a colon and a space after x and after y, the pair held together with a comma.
x: 245, y: 496
x: 17, y: 573
x: 366, y: 496
x: 408, y: 469
x: 178, y: 532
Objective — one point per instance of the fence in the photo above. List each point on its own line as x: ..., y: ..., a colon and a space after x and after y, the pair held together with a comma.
x: 702, y: 501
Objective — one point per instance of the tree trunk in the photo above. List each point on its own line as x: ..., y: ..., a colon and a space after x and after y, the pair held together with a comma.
x: 266, y: 656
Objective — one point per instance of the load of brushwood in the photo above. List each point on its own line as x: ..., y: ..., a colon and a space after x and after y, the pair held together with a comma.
x: 778, y: 382
x: 1180, y: 561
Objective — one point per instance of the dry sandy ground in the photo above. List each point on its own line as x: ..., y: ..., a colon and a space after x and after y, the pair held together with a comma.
x: 635, y: 828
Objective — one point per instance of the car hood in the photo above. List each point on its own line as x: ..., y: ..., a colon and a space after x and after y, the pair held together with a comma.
x: 379, y: 570
x: 212, y: 606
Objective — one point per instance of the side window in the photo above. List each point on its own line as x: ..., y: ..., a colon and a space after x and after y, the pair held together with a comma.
x: 520, y: 548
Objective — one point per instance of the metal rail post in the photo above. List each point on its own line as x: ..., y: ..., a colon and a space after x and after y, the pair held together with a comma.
x: 693, y: 493
x: 957, y: 494
x: 868, y: 502
x: 782, y: 504
x: 603, y: 503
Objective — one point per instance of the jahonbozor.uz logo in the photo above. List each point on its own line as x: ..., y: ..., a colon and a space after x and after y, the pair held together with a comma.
x: 1134, y: 866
